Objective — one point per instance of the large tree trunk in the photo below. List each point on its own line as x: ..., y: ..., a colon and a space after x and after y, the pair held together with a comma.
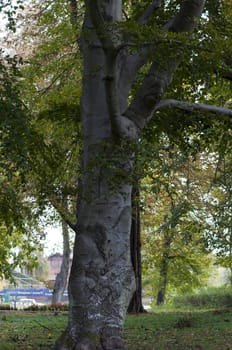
x: 62, y: 277
x: 102, y: 278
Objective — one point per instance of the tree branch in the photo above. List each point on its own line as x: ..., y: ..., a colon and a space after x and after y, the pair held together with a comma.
x: 131, y: 63
x: 185, y: 20
x: 161, y: 72
x: 74, y: 18
x: 63, y: 213
x: 186, y: 106
x: 74, y: 12
x: 103, y: 17
x: 149, y: 11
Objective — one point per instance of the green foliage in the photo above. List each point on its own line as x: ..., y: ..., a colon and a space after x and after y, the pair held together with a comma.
x: 13, y: 118
x: 40, y: 138
x: 54, y: 158
x: 174, y: 255
x: 51, y: 92
x: 20, y: 238
x: 18, y: 217
x: 219, y: 235
x: 53, y: 74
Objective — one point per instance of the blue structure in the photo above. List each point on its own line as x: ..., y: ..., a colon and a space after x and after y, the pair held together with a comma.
x: 28, y: 292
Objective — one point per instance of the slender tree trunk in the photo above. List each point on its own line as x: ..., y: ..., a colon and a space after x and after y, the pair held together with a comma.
x: 136, y: 305
x: 163, y: 273
x: 62, y: 277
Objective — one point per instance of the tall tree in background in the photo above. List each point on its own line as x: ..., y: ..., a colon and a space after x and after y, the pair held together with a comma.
x: 174, y: 253
x: 218, y: 203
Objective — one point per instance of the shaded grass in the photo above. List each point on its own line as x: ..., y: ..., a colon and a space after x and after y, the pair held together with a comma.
x: 161, y: 330
x: 30, y: 330
x: 208, y: 330
x: 208, y: 298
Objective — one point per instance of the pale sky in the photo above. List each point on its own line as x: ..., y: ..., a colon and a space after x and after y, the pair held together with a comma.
x: 53, y: 242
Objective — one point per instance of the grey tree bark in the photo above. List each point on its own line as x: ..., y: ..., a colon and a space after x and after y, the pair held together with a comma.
x: 102, y: 280
x: 62, y: 277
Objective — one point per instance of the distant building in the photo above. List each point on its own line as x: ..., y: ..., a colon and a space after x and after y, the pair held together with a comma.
x: 54, y: 262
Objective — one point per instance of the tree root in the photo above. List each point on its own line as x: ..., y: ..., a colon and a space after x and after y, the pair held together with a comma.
x: 110, y: 342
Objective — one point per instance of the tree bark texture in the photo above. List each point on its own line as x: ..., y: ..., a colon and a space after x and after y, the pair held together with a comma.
x: 102, y: 281
x: 62, y: 277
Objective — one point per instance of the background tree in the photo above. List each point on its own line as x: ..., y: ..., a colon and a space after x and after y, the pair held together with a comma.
x: 19, y: 233
x: 62, y: 277
x: 49, y: 95
x: 218, y: 202
x: 174, y: 253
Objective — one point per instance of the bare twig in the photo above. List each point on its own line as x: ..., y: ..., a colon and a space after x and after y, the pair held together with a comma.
x: 41, y: 325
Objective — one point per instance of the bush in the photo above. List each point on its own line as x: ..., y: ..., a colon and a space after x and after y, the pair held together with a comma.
x: 48, y: 307
x: 5, y: 307
x: 59, y: 307
x: 209, y: 298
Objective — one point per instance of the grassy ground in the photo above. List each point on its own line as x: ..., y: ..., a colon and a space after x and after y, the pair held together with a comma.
x: 162, y: 330
x: 206, y: 330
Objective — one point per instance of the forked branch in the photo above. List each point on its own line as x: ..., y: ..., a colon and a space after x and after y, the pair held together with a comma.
x: 149, y: 11
x: 161, y: 71
x: 104, y: 17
